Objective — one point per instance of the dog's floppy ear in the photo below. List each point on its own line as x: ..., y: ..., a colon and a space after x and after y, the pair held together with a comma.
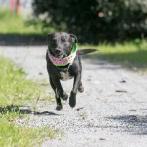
x: 49, y: 36
x: 74, y: 38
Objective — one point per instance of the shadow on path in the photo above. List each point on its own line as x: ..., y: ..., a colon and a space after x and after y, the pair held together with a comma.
x: 23, y: 110
x: 22, y: 39
x: 134, y: 124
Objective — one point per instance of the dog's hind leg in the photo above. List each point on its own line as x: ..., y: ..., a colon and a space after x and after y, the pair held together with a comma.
x: 64, y: 96
x: 81, y: 88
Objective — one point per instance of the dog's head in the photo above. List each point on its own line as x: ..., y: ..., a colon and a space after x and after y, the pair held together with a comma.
x: 60, y: 44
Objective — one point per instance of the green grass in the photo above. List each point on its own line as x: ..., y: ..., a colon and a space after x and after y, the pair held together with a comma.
x: 15, y: 90
x: 14, y: 136
x: 131, y: 54
x: 13, y: 24
x: 14, y: 87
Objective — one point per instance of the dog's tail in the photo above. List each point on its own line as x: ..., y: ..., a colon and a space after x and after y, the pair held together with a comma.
x: 86, y: 51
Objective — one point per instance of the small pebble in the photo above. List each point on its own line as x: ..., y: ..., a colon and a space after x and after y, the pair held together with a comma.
x: 102, y: 139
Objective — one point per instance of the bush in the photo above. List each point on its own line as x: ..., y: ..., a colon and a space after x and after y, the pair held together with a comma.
x: 95, y: 20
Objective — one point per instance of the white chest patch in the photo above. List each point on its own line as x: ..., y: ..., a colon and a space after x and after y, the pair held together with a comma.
x: 65, y: 76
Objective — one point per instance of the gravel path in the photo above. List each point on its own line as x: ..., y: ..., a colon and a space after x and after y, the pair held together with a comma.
x: 112, y: 112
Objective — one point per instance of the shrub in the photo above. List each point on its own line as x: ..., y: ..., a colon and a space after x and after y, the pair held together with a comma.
x: 95, y: 20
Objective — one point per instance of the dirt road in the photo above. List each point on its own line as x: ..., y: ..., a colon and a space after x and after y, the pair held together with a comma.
x: 112, y: 112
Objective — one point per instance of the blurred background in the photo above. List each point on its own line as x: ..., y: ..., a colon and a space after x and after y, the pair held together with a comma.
x: 92, y: 20
x: 117, y: 27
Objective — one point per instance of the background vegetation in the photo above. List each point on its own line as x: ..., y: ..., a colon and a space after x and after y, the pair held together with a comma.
x: 15, y: 24
x: 131, y: 53
x: 95, y: 20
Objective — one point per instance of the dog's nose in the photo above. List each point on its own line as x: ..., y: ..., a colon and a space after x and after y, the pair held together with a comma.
x: 57, y: 51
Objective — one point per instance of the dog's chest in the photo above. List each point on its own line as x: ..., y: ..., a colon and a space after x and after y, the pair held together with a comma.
x: 65, y: 75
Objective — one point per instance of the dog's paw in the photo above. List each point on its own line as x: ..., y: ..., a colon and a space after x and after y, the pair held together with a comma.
x: 64, y: 97
x: 81, y: 89
x: 59, y: 107
x: 72, y: 99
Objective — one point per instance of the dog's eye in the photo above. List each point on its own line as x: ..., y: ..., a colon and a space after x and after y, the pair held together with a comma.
x: 53, y: 43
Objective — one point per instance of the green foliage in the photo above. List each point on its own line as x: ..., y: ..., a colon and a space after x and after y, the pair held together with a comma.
x: 95, y: 20
x: 13, y: 24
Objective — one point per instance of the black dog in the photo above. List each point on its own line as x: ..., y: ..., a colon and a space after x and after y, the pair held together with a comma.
x: 63, y: 62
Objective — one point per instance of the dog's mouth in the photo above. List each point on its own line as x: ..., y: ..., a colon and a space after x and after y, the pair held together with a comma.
x: 59, y: 55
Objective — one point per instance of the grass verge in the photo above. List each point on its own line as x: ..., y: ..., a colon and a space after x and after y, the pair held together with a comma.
x: 132, y: 55
x: 15, y: 24
x: 14, y: 91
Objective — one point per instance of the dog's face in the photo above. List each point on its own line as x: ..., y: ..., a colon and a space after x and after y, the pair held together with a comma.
x: 60, y: 44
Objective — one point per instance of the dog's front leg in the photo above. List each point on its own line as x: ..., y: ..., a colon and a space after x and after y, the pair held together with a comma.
x: 58, y: 100
x: 59, y: 93
x: 72, y: 98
